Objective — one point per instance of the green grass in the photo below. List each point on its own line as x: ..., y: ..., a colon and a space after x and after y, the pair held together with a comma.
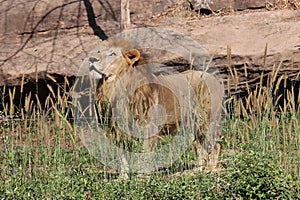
x: 260, y: 167
x: 31, y: 173
x: 42, y: 157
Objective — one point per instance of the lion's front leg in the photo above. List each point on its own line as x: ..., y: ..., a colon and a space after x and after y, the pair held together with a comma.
x: 124, y: 144
x: 213, y: 157
x: 151, y: 143
x: 201, y: 155
x: 207, y: 160
x: 124, y: 168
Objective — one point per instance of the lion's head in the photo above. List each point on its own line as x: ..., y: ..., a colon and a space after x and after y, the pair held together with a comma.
x: 112, y: 58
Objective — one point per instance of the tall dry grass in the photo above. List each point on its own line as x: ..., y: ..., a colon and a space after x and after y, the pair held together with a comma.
x: 267, y: 117
x: 295, y: 4
x: 37, y: 135
x: 42, y: 132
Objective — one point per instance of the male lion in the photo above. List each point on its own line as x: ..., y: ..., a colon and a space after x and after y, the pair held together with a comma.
x: 154, y: 105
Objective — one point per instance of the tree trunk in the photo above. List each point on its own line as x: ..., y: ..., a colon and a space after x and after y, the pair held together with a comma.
x: 125, y: 15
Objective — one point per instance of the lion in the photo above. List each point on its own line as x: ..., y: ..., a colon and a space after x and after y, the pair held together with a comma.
x: 114, y: 59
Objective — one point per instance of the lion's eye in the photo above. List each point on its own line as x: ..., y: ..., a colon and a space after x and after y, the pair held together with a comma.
x: 112, y: 54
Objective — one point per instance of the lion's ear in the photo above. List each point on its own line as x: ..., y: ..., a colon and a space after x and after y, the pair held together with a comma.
x: 132, y: 56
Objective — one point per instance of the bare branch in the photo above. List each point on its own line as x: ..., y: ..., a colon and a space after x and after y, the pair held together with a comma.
x: 125, y: 15
x: 92, y: 22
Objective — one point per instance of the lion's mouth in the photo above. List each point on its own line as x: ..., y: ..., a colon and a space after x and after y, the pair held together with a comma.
x: 93, y: 69
x: 94, y: 72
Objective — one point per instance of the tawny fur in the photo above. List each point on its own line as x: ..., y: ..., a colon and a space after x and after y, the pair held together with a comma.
x: 152, y: 94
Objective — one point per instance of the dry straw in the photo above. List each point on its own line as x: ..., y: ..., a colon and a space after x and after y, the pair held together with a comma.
x: 265, y: 116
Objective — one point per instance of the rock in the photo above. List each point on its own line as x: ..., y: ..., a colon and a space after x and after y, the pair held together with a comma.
x: 61, y: 50
x: 54, y: 36
x: 247, y: 35
x: 26, y: 16
x: 250, y: 4
x: 228, y: 5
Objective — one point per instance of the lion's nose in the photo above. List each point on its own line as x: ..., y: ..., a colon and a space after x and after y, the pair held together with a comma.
x: 92, y: 60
